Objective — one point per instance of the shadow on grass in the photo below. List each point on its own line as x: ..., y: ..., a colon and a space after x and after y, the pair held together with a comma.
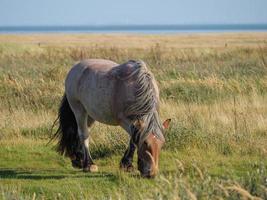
x: 101, y: 151
x: 46, y: 174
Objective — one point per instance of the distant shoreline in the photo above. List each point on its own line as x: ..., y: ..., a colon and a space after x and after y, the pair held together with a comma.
x: 139, y: 29
x: 138, y: 41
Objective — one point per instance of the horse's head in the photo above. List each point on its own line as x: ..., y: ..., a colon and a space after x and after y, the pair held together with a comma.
x: 148, y: 153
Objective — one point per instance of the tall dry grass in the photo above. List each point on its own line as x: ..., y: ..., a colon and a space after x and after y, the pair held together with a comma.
x: 215, y: 94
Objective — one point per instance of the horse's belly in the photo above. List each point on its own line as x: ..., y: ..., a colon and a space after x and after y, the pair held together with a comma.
x: 99, y: 102
x: 101, y: 111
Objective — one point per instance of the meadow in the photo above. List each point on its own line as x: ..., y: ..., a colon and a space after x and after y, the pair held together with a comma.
x: 212, y: 86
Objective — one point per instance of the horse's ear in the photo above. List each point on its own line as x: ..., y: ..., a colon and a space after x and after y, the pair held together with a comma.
x: 166, y: 123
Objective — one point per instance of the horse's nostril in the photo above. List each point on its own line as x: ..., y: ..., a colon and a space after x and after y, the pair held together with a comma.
x: 147, y: 173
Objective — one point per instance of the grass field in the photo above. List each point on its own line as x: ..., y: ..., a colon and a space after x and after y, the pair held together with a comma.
x: 213, y: 86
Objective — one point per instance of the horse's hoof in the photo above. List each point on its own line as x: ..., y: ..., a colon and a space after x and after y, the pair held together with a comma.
x: 127, y: 168
x: 91, y: 168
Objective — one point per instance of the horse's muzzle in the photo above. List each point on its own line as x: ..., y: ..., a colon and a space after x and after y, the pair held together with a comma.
x: 147, y: 171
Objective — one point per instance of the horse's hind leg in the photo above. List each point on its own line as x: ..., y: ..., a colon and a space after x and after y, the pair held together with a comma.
x: 88, y: 162
x: 127, y: 160
x: 83, y: 122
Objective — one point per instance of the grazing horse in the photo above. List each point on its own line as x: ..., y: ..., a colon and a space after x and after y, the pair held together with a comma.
x: 113, y: 94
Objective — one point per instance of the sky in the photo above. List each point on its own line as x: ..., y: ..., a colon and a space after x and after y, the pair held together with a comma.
x: 120, y: 12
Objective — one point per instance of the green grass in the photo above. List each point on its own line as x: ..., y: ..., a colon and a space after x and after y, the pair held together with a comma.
x: 31, y: 168
x: 216, y: 97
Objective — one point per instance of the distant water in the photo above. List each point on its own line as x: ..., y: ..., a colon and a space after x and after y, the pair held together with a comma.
x: 145, y: 29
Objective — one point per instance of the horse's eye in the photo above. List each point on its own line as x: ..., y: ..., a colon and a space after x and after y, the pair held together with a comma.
x: 145, y: 142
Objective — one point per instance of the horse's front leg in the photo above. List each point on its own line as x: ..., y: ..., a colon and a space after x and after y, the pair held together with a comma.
x: 127, y: 160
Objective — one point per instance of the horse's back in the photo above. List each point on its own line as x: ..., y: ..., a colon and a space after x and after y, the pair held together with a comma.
x: 94, y: 65
x: 85, y: 68
x: 100, y: 65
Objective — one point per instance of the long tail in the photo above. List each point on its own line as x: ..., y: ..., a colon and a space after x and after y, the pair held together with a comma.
x: 67, y: 132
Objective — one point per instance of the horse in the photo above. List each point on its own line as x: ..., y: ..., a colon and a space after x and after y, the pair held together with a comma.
x: 123, y: 95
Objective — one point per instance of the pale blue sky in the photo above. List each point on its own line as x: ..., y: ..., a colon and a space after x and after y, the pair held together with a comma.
x: 108, y: 12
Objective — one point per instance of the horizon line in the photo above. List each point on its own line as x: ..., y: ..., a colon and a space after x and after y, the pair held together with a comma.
x: 138, y: 25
